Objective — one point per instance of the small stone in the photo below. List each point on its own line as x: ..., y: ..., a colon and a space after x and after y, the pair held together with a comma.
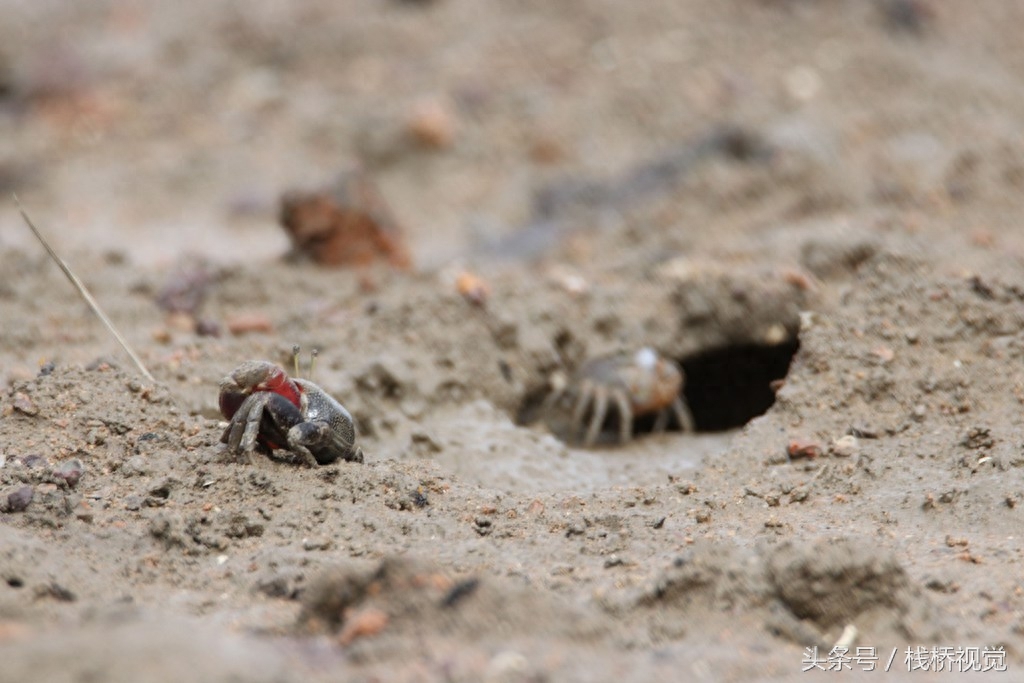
x: 473, y: 288
x: 799, y: 494
x: 135, y: 466
x: 799, y: 448
x: 569, y: 281
x: 33, y: 461
x: 363, y: 624
x: 70, y: 472
x: 161, y: 335
x: 431, y: 124
x: 845, y: 446
x: 245, y: 323
x: 23, y: 404
x: 883, y: 353
x: 483, y: 526
x: 19, y: 499
x: 686, y: 488
x: 207, y: 327
x: 309, y: 544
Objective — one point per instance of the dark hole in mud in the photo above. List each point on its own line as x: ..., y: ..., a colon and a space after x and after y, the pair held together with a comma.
x: 729, y: 386
x: 725, y: 388
x: 15, y: 582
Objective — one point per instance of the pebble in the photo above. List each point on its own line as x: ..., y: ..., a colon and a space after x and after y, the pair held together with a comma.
x: 568, y: 280
x: 31, y: 461
x: 799, y: 448
x: 431, y: 124
x: 207, y: 327
x: 19, y: 499
x: 366, y: 623
x: 845, y: 446
x: 23, y: 404
x: 473, y: 288
x: 70, y: 471
x: 244, y: 323
x: 310, y: 544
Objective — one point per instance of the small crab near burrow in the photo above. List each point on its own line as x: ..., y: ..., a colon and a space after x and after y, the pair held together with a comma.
x: 635, y: 384
x: 267, y: 410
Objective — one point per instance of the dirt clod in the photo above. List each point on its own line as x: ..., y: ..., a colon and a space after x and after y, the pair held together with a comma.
x: 348, y: 224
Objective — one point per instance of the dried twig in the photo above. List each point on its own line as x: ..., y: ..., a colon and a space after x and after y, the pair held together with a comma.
x: 85, y: 294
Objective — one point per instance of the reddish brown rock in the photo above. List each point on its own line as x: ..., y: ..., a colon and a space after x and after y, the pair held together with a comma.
x: 346, y: 225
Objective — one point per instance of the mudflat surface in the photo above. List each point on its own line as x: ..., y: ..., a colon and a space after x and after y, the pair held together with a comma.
x: 733, y: 184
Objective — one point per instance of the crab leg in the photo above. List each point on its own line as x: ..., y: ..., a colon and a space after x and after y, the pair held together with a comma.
x: 586, y: 394
x: 597, y: 418
x: 683, y: 415
x: 662, y: 422
x: 245, y: 424
x: 625, y: 416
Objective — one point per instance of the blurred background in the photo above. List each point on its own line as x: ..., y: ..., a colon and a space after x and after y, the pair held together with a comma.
x: 149, y: 127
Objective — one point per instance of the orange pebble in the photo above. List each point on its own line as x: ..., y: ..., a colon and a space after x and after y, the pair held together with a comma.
x: 367, y: 622
x: 473, y: 288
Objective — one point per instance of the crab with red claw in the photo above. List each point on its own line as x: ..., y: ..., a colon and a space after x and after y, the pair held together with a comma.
x: 267, y: 410
x: 634, y: 384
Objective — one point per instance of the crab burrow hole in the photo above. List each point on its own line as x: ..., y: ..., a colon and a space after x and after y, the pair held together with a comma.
x: 726, y: 387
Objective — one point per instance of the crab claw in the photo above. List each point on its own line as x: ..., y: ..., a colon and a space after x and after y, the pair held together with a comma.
x: 253, y: 376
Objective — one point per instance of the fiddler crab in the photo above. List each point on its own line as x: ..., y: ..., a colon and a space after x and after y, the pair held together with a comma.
x: 268, y: 410
x: 634, y: 384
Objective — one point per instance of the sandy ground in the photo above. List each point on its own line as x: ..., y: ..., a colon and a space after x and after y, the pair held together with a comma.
x: 807, y: 204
